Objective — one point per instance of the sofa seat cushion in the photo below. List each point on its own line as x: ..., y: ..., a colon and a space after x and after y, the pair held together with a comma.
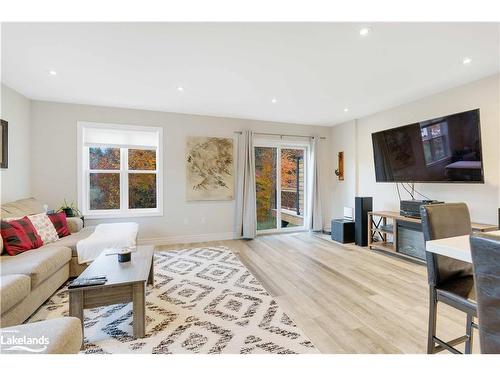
x: 72, y: 240
x: 38, y: 264
x: 13, y: 289
x: 64, y: 336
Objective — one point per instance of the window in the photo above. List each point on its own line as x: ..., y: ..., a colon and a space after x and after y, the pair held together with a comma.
x: 435, y: 142
x: 119, y: 170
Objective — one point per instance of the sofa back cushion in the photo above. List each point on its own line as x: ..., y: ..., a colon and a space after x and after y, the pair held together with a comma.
x: 19, y: 236
x: 44, y: 227
x: 21, y: 208
x: 60, y: 224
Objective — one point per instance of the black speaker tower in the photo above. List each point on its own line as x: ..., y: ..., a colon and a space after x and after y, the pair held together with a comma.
x: 363, y: 205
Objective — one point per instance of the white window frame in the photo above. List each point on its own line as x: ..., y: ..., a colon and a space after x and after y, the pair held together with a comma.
x: 279, y: 145
x: 84, y: 175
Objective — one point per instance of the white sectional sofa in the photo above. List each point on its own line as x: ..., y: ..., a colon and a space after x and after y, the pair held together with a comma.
x: 61, y: 336
x: 27, y: 280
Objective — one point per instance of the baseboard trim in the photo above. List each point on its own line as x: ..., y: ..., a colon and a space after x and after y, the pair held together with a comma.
x: 189, y: 238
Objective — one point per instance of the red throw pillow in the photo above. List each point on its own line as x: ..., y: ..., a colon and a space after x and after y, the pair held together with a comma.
x: 60, y: 223
x: 19, y: 236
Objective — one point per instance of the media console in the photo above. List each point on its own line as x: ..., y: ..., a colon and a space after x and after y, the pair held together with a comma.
x: 384, y: 227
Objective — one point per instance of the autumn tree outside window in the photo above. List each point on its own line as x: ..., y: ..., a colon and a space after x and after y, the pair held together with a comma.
x: 119, y: 170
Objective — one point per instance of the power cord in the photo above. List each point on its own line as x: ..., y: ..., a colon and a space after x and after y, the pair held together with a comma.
x: 408, y: 191
x: 419, y: 193
x: 399, y: 194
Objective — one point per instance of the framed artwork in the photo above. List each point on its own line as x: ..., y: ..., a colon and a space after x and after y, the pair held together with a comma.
x: 4, y: 144
x: 209, y: 169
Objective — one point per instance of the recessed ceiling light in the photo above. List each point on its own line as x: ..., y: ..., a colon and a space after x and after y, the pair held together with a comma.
x: 274, y: 100
x: 365, y: 31
x: 52, y: 72
x: 466, y: 60
x: 180, y: 88
x: 346, y: 109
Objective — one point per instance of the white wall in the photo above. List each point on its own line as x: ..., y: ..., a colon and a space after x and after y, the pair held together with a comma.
x: 15, y: 180
x: 483, y: 199
x: 54, y: 163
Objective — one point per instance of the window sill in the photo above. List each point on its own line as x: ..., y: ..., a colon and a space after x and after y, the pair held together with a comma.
x: 121, y: 215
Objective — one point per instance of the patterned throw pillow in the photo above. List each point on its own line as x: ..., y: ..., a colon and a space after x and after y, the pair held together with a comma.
x: 2, y: 247
x: 60, y: 223
x: 19, y: 236
x: 44, y: 227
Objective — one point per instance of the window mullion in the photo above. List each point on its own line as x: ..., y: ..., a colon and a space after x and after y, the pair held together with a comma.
x: 124, y: 180
x: 87, y: 190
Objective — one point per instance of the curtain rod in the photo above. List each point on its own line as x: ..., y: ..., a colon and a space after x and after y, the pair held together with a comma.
x: 283, y: 135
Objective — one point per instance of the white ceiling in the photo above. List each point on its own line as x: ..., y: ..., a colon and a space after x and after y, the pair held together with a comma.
x: 314, y: 70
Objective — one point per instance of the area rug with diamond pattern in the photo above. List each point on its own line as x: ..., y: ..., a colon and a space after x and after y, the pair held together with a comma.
x: 204, y: 300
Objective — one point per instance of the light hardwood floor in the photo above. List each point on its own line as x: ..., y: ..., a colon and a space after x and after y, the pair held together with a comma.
x: 347, y: 299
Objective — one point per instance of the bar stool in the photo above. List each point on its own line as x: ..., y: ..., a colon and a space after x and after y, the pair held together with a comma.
x: 450, y: 281
x: 485, y: 251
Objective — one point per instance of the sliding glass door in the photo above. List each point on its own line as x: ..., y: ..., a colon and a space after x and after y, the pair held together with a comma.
x: 280, y: 177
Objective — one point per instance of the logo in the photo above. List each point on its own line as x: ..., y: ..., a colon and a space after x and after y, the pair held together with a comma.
x: 11, y: 341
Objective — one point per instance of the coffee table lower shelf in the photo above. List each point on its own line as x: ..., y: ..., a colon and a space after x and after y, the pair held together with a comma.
x: 89, y: 298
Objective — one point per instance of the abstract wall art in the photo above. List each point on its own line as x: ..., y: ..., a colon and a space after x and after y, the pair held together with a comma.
x: 209, y: 169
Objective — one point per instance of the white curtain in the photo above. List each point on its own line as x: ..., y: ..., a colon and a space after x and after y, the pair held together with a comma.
x: 246, y: 221
x: 315, y: 219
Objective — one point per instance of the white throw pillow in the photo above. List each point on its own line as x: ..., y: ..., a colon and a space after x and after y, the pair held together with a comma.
x: 44, y: 227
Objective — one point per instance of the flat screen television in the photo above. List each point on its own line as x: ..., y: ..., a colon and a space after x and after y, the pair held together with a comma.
x: 444, y: 149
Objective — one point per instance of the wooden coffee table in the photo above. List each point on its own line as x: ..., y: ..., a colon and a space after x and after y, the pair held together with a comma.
x: 126, y: 283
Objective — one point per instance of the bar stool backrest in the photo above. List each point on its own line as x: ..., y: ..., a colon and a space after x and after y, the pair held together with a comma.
x: 485, y: 251
x: 443, y: 221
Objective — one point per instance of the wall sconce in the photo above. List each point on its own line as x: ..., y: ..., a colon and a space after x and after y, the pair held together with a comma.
x: 339, y: 172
